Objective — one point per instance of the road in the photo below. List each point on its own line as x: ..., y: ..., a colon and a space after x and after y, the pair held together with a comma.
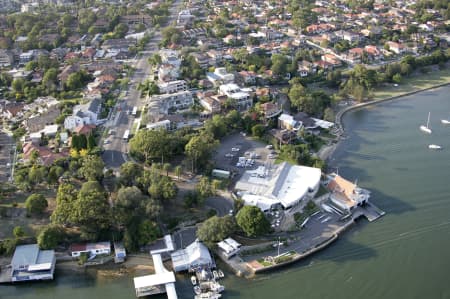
x: 116, y: 150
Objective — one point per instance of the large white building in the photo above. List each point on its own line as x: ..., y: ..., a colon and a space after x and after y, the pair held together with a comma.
x: 282, y: 185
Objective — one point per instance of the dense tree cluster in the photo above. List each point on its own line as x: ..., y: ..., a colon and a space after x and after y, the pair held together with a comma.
x: 252, y: 221
x: 216, y: 229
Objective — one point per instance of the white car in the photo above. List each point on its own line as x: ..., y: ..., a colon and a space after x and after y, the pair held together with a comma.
x: 234, y: 149
x: 229, y: 155
x: 269, y: 146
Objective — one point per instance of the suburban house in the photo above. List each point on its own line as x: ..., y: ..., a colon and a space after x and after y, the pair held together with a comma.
x: 306, y: 68
x: 90, y: 248
x: 220, y: 76
x: 45, y: 155
x: 194, y: 257
x: 38, y: 122
x: 247, y: 77
x: 6, y: 58
x: 31, y: 263
x: 211, y: 102
x: 271, y: 109
x: 173, y: 101
x: 87, y: 114
x: 172, y: 86
x: 242, y: 98
x: 397, y: 48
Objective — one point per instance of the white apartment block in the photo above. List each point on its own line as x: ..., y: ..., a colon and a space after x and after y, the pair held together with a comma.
x: 172, y: 86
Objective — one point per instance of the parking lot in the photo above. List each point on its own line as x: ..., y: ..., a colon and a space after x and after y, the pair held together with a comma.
x: 238, y: 153
x: 6, y: 155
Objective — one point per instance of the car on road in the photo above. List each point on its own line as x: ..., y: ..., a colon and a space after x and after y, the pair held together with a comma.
x: 229, y: 155
x: 234, y: 149
x: 106, y: 141
x: 231, y: 212
x: 269, y: 146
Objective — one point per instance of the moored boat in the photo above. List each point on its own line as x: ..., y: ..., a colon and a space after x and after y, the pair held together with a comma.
x: 435, y: 146
x: 208, y: 295
x: 220, y: 272
x: 445, y: 121
x: 426, y: 128
x: 197, y: 290
x: 215, y: 274
x: 193, y: 280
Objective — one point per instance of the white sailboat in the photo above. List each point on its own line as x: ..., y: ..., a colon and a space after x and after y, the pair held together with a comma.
x: 435, y: 147
x: 445, y: 121
x: 426, y: 128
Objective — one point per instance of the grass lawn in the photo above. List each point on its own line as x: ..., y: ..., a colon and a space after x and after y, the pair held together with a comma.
x: 417, y: 82
x: 17, y: 216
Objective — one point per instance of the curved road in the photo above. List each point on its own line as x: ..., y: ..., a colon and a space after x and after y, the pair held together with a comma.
x: 115, y: 152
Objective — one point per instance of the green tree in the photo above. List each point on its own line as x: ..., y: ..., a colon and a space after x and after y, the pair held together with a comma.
x: 216, y: 126
x: 92, y: 168
x: 252, y: 221
x: 90, y: 142
x: 36, y: 174
x: 50, y: 236
x: 91, y: 209
x: 216, y: 229
x: 205, y: 188
x: 258, y: 130
x: 199, y: 149
x: 129, y: 173
x: 54, y: 173
x: 148, y: 144
x: 18, y: 232
x: 66, y: 197
x: 36, y: 203
x: 148, y: 231
x: 166, y: 168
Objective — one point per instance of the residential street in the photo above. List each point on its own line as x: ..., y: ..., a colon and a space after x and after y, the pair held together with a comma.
x: 115, y: 153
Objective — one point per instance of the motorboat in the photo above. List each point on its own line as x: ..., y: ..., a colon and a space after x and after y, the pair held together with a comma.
x: 208, y: 295
x: 435, y: 146
x: 197, y: 290
x: 445, y: 121
x: 215, y: 274
x: 193, y: 280
x: 212, y: 286
x: 426, y: 128
x: 220, y: 272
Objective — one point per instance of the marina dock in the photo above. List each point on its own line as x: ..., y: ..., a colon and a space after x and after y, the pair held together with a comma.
x: 369, y: 211
x: 163, y: 281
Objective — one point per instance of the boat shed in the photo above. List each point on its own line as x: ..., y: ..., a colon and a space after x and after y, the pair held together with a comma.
x: 229, y: 247
x: 193, y: 257
x: 31, y: 263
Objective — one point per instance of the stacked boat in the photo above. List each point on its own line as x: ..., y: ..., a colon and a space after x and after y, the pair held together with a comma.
x: 208, y: 286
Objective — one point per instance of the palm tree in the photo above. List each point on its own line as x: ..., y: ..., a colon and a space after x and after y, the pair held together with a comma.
x: 166, y: 168
x: 178, y: 171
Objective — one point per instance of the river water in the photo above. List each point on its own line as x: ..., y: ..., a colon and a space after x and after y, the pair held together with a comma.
x: 405, y: 254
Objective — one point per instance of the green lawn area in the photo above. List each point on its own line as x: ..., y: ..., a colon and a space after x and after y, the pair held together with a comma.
x: 413, y: 83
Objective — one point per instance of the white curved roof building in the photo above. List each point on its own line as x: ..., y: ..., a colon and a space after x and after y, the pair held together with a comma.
x: 283, y: 184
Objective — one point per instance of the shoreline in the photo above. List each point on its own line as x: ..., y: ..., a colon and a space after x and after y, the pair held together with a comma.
x: 326, y: 152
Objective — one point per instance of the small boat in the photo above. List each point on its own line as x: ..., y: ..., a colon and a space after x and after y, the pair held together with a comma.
x: 220, y: 272
x: 197, y: 290
x: 215, y: 274
x: 435, y: 146
x: 208, y: 295
x: 445, y: 121
x: 193, y: 280
x: 426, y: 128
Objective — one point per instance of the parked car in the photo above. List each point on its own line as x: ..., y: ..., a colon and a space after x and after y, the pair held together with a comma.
x: 234, y: 149
x: 229, y: 155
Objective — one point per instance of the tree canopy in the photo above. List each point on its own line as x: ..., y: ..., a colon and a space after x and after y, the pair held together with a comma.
x: 36, y: 203
x: 252, y: 221
x: 216, y: 229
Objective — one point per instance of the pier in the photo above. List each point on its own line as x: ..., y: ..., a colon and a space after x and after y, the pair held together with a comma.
x: 163, y: 281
